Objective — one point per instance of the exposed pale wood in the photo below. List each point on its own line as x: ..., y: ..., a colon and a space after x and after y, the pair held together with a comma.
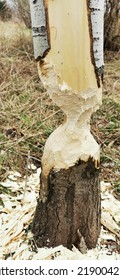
x: 108, y: 222
x: 69, y: 76
x: 70, y: 44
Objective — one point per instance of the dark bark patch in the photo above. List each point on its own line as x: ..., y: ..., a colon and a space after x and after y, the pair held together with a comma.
x: 72, y: 205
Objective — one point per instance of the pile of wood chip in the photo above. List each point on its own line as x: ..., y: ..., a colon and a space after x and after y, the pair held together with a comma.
x: 17, y: 211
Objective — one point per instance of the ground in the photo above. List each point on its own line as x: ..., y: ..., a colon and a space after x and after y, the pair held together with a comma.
x: 27, y: 117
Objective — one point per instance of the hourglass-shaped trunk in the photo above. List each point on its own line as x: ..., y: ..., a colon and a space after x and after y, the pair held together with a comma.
x: 68, y: 41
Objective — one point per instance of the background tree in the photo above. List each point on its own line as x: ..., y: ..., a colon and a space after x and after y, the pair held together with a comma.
x: 23, y: 8
x: 5, y: 11
x: 2, y: 5
x: 112, y: 25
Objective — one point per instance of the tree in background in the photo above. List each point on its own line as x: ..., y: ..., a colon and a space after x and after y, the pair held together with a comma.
x: 5, y: 11
x: 23, y: 8
x: 2, y: 4
x: 112, y: 25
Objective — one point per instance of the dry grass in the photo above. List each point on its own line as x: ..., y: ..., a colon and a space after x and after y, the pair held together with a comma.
x: 106, y: 122
x: 25, y: 107
x: 27, y: 116
x: 106, y: 129
x: 112, y: 76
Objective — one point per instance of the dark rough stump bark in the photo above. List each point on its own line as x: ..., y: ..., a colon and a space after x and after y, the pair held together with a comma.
x: 73, y: 203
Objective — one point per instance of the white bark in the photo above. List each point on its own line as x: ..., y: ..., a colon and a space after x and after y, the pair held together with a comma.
x: 97, y: 20
x: 39, y: 28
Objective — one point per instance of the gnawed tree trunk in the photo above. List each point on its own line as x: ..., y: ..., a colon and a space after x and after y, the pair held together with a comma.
x: 69, y: 34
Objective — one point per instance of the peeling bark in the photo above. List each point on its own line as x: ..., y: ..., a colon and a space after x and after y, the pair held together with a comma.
x: 72, y: 76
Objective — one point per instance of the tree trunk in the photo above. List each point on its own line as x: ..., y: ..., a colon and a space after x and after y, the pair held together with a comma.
x: 112, y: 25
x: 72, y: 208
x: 68, y: 209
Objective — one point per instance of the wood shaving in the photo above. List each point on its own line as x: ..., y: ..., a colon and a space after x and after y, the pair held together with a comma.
x: 17, y: 214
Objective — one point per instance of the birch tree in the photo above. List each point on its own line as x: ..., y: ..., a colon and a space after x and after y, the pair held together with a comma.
x: 68, y: 45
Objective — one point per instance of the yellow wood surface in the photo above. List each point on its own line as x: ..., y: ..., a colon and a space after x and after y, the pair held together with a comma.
x: 70, y: 43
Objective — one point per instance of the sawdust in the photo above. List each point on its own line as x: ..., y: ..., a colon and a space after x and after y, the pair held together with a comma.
x: 18, y: 202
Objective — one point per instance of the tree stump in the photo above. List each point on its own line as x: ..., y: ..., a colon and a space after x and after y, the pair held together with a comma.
x: 72, y: 207
x: 71, y: 69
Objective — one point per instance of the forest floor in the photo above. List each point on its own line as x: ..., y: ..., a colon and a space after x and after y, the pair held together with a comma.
x: 27, y: 118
